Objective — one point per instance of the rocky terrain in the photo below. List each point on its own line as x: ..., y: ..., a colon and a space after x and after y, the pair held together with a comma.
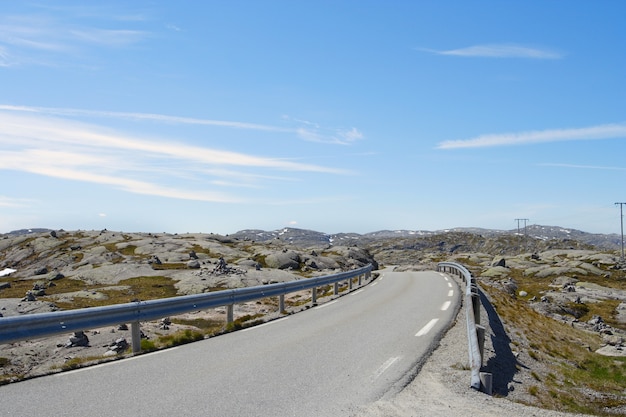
x: 557, y: 273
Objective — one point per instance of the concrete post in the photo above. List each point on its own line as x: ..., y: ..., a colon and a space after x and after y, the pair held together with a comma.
x: 230, y: 314
x: 313, y: 296
x: 486, y: 384
x: 336, y: 289
x: 135, y: 332
x: 281, y: 303
x: 350, y: 284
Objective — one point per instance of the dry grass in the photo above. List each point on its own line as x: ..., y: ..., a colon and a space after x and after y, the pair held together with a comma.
x: 567, y: 374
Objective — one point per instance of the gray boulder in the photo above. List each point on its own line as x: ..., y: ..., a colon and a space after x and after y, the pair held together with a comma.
x: 283, y: 260
x: 79, y: 339
x: 193, y: 264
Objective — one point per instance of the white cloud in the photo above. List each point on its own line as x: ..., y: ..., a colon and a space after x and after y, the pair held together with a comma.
x: 500, y: 51
x: 76, y: 151
x: 339, y: 137
x: 49, y: 38
x: 312, y: 132
x: 607, y: 131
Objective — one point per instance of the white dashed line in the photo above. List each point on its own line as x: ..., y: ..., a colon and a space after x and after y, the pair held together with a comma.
x: 450, y: 293
x: 358, y: 291
x: 450, y: 284
x: 385, y: 366
x: 374, y: 284
x: 326, y: 304
x: 446, y: 305
x: 424, y: 330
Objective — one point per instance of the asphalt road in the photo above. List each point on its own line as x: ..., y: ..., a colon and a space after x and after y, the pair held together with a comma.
x: 327, y: 361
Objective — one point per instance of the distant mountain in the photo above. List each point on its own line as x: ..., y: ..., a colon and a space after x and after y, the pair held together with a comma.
x: 310, y: 238
x: 28, y: 231
x: 303, y: 237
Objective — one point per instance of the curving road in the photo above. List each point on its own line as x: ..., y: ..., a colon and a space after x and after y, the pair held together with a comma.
x: 328, y: 360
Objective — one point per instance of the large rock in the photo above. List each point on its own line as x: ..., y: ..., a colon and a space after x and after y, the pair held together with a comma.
x: 283, y: 260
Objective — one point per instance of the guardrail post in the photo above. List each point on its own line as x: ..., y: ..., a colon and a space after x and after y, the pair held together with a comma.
x: 480, y: 335
x: 230, y: 314
x: 350, y: 284
x: 313, y: 296
x: 486, y: 383
x: 360, y: 279
x: 476, y: 306
x: 281, y: 303
x: 135, y: 334
x: 336, y: 289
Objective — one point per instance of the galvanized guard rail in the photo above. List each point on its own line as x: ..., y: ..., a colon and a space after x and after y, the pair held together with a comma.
x: 17, y: 328
x: 475, y: 332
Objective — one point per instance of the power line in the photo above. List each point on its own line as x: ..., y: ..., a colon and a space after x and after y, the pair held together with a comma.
x: 621, y: 221
x: 522, y: 220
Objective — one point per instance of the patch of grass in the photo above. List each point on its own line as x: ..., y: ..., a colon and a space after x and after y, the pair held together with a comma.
x: 199, y: 249
x: 209, y: 326
x: 19, y: 288
x: 138, y: 288
x: 76, y: 363
x: 4, y: 362
x: 260, y: 259
x: 9, y: 378
x: 128, y: 250
x: 169, y: 266
x: 148, y: 345
x: 180, y: 338
x: 247, y: 320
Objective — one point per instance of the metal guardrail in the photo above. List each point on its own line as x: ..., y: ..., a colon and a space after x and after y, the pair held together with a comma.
x: 30, y: 326
x: 475, y: 332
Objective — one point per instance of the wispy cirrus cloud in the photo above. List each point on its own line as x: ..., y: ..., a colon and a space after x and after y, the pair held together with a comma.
x: 607, y: 131
x: 500, y: 51
x: 70, y: 150
x: 306, y: 130
x: 47, y: 39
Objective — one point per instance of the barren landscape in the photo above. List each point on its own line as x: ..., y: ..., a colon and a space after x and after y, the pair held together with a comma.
x: 555, y: 309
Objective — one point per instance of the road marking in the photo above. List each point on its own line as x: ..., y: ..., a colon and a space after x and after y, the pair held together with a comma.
x: 424, y: 330
x: 445, y: 305
x: 385, y: 366
x: 358, y: 291
x: 450, y: 293
x: 326, y: 304
x: 444, y: 277
x: 375, y: 283
x: 450, y: 284
x: 264, y: 324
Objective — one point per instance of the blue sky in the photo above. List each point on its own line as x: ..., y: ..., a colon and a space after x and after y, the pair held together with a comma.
x: 335, y: 116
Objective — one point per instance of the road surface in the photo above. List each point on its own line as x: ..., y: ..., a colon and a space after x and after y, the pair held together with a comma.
x: 327, y: 361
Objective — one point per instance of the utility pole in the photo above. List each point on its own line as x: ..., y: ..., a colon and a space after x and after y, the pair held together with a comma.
x: 521, y: 220
x: 621, y: 221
